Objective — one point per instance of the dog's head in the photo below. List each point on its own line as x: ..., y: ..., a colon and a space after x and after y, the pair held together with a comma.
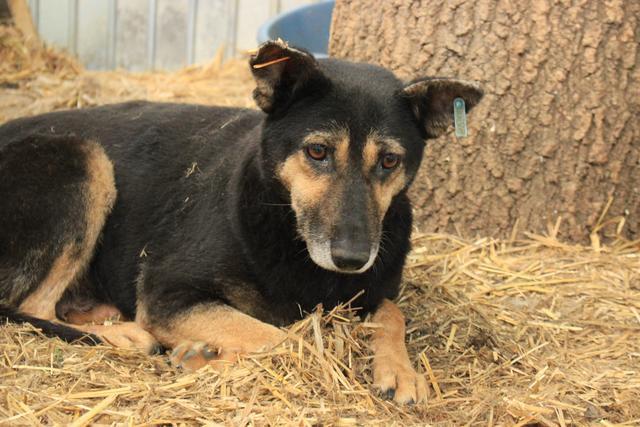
x: 344, y: 139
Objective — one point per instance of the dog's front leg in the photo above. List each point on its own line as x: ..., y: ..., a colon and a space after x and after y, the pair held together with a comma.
x: 211, y: 334
x: 393, y: 373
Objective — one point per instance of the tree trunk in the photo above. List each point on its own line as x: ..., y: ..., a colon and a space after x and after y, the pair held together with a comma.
x: 558, y: 131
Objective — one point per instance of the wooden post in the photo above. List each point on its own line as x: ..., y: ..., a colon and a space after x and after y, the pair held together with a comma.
x: 22, y: 18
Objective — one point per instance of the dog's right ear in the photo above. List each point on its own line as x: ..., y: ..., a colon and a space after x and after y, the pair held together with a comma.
x: 283, y: 74
x: 432, y: 101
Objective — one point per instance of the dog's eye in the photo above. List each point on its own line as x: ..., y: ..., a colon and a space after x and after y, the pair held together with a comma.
x: 390, y: 161
x: 317, y: 151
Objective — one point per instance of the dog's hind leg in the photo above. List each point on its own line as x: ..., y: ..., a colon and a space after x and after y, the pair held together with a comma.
x: 57, y: 193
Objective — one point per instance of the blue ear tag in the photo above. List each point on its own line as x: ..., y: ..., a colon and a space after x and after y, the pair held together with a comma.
x: 460, y: 118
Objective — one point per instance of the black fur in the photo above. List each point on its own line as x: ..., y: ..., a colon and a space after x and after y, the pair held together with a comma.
x: 200, y: 214
x: 41, y: 179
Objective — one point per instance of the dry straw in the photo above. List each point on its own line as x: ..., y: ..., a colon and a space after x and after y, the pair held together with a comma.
x: 529, y: 331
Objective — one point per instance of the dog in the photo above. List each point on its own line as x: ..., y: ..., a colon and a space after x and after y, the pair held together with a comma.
x: 208, y: 228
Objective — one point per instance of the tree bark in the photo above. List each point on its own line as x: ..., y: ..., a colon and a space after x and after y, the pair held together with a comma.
x: 558, y: 131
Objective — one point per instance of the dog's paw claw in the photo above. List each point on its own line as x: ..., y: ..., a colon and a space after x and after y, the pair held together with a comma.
x: 210, y: 354
x: 189, y: 355
x: 388, y: 394
x: 400, y: 382
x: 157, y: 350
x: 192, y: 356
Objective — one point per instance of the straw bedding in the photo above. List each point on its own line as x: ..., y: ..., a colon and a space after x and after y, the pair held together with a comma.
x: 526, y: 331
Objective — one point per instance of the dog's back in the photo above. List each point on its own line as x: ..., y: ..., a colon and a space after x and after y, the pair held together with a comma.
x: 164, y: 156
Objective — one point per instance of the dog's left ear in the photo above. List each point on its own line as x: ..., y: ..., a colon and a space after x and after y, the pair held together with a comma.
x: 432, y: 101
x: 283, y: 74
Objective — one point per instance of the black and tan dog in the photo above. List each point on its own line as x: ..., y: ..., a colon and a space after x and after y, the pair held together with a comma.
x: 208, y: 228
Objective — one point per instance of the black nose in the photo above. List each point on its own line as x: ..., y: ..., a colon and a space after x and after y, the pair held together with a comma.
x: 349, y: 257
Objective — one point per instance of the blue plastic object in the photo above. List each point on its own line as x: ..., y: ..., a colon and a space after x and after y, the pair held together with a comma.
x: 306, y: 27
x: 460, y: 118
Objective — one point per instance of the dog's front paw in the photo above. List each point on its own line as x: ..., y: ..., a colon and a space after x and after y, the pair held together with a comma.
x: 396, y: 379
x: 193, y: 355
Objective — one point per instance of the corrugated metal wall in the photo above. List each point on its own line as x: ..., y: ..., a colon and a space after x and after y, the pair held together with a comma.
x: 153, y: 34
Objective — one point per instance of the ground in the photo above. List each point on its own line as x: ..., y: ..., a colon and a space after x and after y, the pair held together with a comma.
x: 525, y: 331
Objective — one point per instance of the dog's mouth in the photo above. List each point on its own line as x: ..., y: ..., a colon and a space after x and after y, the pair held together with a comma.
x: 327, y: 256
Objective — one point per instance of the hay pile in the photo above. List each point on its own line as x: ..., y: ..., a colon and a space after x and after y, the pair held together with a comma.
x: 529, y: 331
x: 36, y: 79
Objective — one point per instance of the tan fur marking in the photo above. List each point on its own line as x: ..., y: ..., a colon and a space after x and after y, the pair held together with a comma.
x: 383, y: 192
x: 100, y: 194
x: 370, y: 155
x: 392, y: 368
x: 221, y: 329
x: 306, y: 187
x: 142, y: 318
x: 41, y: 303
x: 220, y: 326
x: 340, y: 140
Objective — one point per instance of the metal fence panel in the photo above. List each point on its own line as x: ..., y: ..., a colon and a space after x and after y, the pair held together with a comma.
x: 153, y: 34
